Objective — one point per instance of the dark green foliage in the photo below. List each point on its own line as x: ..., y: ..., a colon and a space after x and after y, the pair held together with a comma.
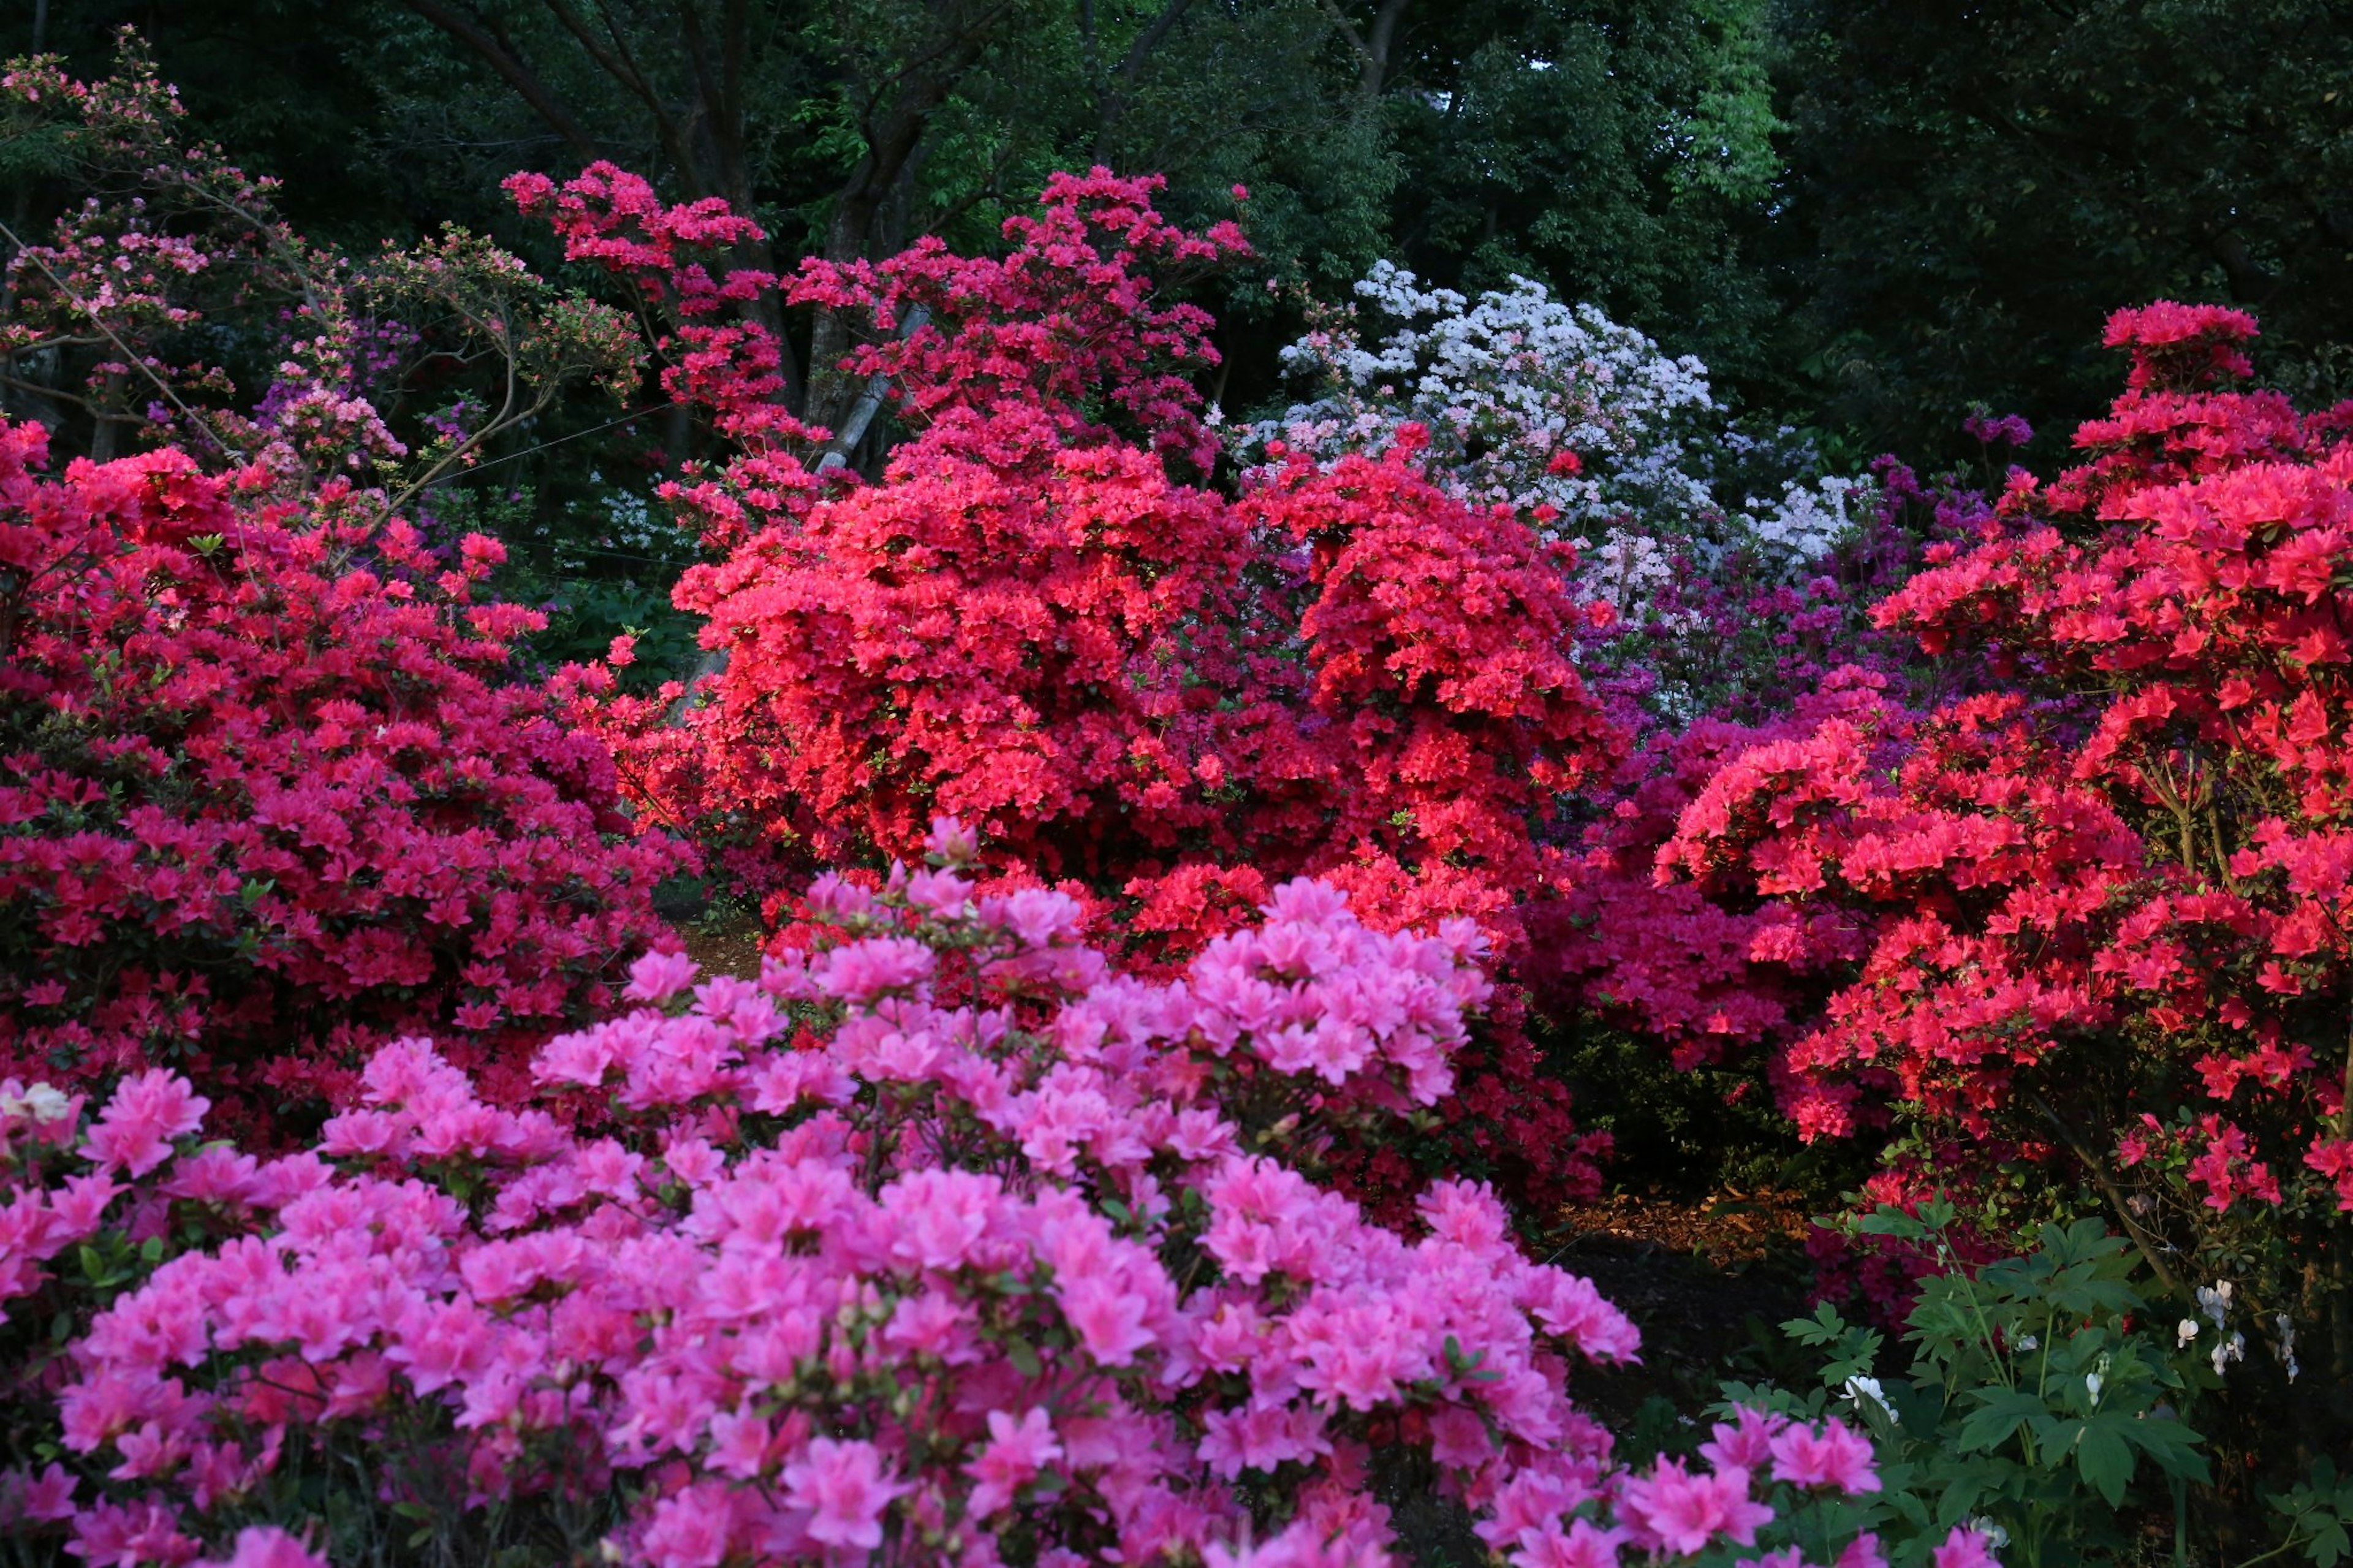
x: 1974, y: 187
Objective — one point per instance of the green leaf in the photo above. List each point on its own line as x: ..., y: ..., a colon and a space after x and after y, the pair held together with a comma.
x: 1889, y: 1221
x: 2000, y: 1413
x: 1023, y: 1357
x: 2172, y: 1446
x: 2105, y: 1459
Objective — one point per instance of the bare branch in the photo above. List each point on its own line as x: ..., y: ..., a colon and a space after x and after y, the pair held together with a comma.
x: 505, y: 60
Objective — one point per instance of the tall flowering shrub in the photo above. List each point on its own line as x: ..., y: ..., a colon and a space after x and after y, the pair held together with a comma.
x: 270, y: 792
x: 1708, y: 978
x: 1530, y: 401
x: 1167, y: 696
x: 2105, y: 895
x: 1031, y: 622
x: 942, y: 1242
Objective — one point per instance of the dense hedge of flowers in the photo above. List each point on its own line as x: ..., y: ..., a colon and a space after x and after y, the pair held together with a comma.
x: 2104, y: 897
x: 941, y: 1242
x: 269, y: 794
x: 1460, y: 693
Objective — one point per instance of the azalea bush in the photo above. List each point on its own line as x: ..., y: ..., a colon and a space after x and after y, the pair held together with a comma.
x: 2101, y: 897
x: 171, y: 303
x: 943, y: 1241
x: 1592, y: 434
x: 1162, y: 696
x: 271, y: 792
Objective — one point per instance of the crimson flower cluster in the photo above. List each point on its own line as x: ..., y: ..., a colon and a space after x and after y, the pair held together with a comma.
x: 268, y: 792
x: 2105, y: 897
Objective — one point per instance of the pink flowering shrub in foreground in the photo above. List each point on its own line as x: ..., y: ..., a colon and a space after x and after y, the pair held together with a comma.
x: 941, y: 1242
x: 270, y: 792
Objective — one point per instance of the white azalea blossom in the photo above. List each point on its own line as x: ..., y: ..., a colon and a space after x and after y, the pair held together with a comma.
x: 39, y: 1102
x: 1859, y: 1389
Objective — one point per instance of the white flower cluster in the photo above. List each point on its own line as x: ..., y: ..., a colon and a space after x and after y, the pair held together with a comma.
x: 1807, y: 521
x: 1533, y: 403
x: 1505, y: 384
x: 40, y: 1102
x: 2214, y: 1300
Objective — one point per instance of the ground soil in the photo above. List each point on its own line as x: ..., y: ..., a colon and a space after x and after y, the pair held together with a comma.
x: 725, y: 947
x: 1708, y: 1283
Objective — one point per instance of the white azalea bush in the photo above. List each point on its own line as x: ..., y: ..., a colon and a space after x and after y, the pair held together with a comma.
x: 1586, y: 426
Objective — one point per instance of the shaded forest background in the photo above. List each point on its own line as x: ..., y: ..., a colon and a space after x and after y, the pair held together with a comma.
x: 1864, y: 216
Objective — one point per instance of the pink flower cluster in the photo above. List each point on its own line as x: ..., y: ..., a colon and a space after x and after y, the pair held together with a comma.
x: 940, y: 1242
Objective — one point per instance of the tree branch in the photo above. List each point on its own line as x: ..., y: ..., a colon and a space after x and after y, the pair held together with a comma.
x: 500, y: 58
x: 1112, y: 106
x: 2108, y: 1189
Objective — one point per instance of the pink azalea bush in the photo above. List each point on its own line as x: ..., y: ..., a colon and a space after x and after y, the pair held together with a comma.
x: 943, y: 1241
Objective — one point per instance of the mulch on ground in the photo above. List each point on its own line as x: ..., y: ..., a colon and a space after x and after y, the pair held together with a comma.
x: 1708, y: 1283
x: 728, y: 948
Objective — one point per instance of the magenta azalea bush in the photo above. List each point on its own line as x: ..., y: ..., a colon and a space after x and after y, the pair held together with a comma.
x: 941, y: 1242
x: 272, y: 794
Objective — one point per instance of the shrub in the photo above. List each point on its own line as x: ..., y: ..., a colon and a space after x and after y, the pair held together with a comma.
x: 942, y: 1242
x: 1591, y: 435
x: 2047, y: 1403
x: 270, y: 793
x: 1165, y: 697
x: 173, y: 273
x: 2105, y: 894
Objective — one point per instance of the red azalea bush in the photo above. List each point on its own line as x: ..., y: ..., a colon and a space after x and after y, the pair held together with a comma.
x: 941, y: 1242
x: 1123, y: 675
x: 1029, y: 621
x: 1073, y: 323
x: 1165, y: 695
x: 2107, y: 900
x: 270, y: 793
